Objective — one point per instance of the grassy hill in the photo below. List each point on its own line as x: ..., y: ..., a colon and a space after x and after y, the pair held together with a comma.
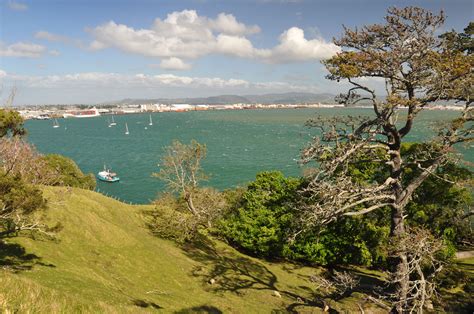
x: 105, y: 260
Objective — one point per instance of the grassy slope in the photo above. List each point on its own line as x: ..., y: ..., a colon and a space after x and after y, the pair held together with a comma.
x: 105, y: 260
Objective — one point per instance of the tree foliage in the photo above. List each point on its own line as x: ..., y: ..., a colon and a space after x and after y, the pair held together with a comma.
x: 418, y: 69
x: 263, y: 216
x: 19, y: 158
x: 67, y: 173
x: 11, y: 123
x: 18, y: 202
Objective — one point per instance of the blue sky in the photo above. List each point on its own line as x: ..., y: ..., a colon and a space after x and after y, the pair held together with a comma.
x: 94, y: 51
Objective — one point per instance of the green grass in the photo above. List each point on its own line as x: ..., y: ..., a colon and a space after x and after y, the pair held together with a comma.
x: 105, y: 260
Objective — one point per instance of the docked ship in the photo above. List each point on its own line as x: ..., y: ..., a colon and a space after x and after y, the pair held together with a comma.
x: 89, y: 113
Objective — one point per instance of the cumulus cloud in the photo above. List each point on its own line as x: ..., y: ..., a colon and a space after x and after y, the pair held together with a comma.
x: 295, y: 47
x: 21, y: 49
x: 187, y: 35
x: 227, y: 24
x: 17, y: 6
x: 117, y: 80
x: 174, y: 64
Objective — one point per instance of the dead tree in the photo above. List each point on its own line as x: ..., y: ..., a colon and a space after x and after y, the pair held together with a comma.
x: 418, y: 70
x: 19, y: 158
x: 181, y: 170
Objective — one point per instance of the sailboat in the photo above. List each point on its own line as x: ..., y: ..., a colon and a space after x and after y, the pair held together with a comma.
x: 151, y: 121
x: 126, y: 129
x: 56, y: 124
x: 113, y: 122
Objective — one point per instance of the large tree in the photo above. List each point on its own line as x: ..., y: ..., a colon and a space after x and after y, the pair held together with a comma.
x: 418, y: 69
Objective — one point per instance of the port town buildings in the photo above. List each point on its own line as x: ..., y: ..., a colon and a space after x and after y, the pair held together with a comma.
x: 69, y: 111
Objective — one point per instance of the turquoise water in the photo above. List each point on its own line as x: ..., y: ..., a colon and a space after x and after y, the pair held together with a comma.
x: 240, y: 143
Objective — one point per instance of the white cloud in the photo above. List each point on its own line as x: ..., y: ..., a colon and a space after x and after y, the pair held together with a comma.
x: 116, y: 80
x: 21, y: 49
x: 17, y: 6
x: 238, y: 46
x: 295, y: 47
x: 227, y: 24
x: 91, y: 87
x: 174, y: 64
x: 186, y: 35
x: 44, y: 35
x: 54, y: 52
x: 49, y: 36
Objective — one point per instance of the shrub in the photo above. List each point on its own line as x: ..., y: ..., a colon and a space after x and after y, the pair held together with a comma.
x: 68, y: 173
x: 18, y: 201
x: 260, y: 224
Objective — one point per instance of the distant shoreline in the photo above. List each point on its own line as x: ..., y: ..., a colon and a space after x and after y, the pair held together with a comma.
x: 60, y: 112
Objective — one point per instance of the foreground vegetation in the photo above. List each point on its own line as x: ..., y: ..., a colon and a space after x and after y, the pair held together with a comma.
x: 105, y: 259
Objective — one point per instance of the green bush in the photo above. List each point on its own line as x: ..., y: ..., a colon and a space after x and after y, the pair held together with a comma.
x: 18, y: 200
x: 171, y: 220
x: 347, y: 241
x: 11, y: 123
x: 261, y: 223
x: 68, y: 173
x: 264, y: 217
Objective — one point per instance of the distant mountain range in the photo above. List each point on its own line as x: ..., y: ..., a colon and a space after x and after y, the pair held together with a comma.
x: 284, y: 98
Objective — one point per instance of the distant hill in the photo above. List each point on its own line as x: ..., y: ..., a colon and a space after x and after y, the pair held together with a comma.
x: 284, y: 98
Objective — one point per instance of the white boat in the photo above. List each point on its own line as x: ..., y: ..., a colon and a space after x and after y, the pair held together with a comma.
x: 55, y: 124
x: 108, y: 176
x: 151, y: 121
x: 113, y: 123
x: 126, y: 129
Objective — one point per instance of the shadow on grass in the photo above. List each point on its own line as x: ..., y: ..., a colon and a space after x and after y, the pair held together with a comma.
x: 145, y: 304
x: 228, y: 272
x: 14, y: 257
x: 200, y: 309
x: 461, y: 302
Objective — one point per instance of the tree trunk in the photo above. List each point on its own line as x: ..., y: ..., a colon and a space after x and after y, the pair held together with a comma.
x: 397, y: 232
x: 400, y: 268
x: 189, y: 201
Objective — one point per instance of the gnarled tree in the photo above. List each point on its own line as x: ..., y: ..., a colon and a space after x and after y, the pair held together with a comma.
x: 419, y: 69
x: 181, y: 170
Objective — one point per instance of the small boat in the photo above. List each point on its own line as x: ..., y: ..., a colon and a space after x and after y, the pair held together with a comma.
x: 126, y: 129
x: 107, y: 176
x: 151, y: 121
x: 56, y: 124
x: 113, y: 123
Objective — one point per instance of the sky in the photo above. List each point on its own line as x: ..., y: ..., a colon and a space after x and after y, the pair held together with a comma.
x: 92, y: 51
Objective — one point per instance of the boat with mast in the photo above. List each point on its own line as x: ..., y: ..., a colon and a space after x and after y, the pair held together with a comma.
x: 151, y: 121
x: 126, y: 129
x: 107, y: 175
x: 55, y: 123
x: 113, y: 123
